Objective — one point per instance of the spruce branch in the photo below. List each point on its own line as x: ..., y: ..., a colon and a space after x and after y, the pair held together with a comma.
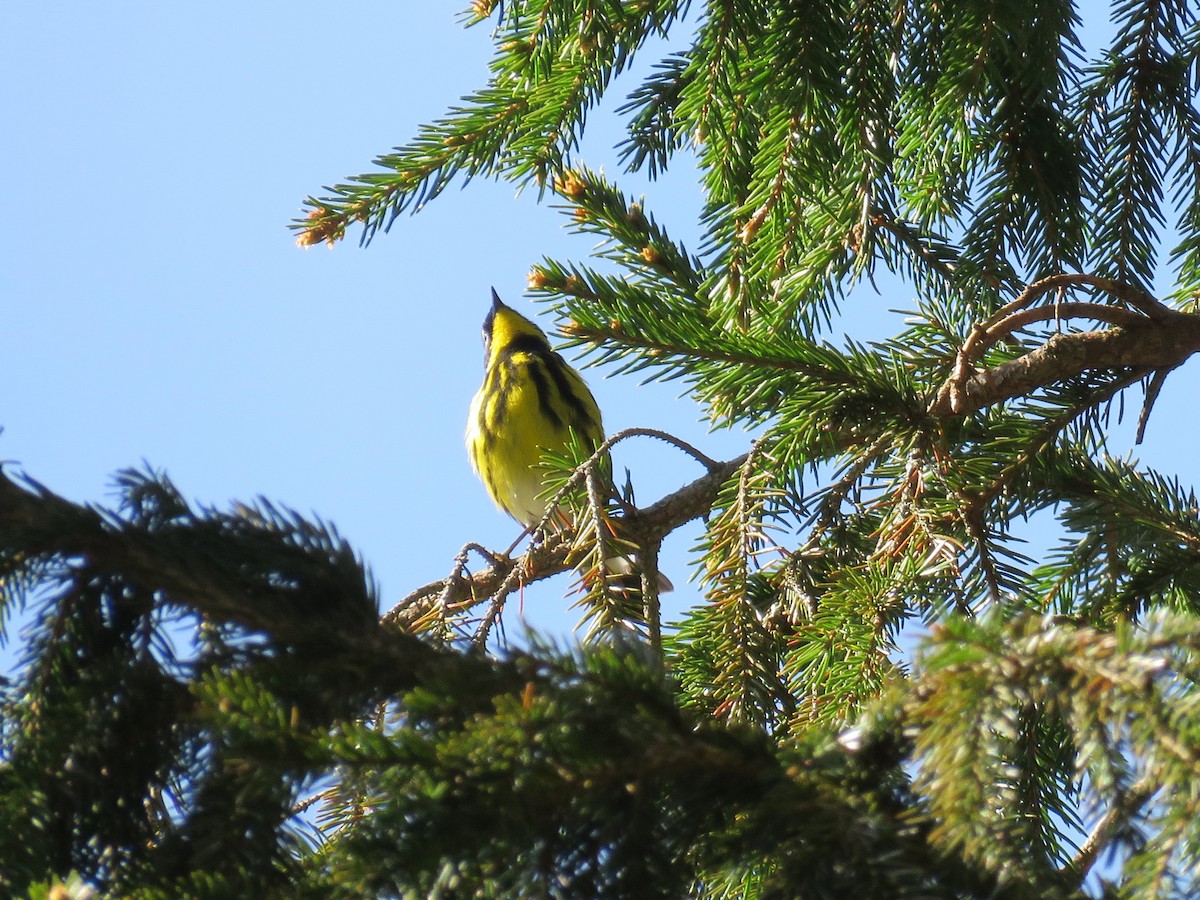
x: 655, y: 133
x: 932, y: 252
x: 1149, y: 337
x: 711, y: 352
x: 1044, y: 437
x: 549, y: 70
x: 632, y: 237
x: 1125, y: 699
x: 279, y: 575
x: 157, y: 555
x: 847, y: 481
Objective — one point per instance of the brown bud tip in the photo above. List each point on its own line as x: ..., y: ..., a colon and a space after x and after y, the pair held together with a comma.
x: 537, y: 279
x: 323, y: 225
x: 748, y: 230
x: 651, y: 255
x: 570, y: 185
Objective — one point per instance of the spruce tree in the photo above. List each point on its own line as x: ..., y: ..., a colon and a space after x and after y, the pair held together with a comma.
x: 212, y: 706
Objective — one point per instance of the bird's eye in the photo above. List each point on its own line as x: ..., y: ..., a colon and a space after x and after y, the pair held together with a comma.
x: 487, y: 334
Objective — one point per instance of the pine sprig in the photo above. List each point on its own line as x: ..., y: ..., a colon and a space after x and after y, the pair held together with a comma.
x: 554, y: 62
x: 1135, y: 542
x: 632, y: 237
x: 841, y: 657
x: 1129, y: 106
x: 743, y: 684
x: 109, y: 676
x: 978, y: 681
x: 655, y: 133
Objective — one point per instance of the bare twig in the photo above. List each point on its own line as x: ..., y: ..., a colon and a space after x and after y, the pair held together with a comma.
x: 1152, y: 391
x: 683, y: 445
x: 1124, y: 808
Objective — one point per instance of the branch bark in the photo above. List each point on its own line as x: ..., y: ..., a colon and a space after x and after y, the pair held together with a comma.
x: 1160, y: 343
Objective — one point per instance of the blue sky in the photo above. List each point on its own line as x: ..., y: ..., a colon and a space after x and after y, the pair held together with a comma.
x: 157, y: 308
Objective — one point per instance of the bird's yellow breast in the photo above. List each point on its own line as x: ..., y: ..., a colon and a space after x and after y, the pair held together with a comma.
x: 516, y: 416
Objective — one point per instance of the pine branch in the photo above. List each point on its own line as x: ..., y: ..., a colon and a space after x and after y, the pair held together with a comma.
x: 1123, y: 113
x: 1044, y: 437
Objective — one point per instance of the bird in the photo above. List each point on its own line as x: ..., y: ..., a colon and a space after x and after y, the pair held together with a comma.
x: 532, y: 402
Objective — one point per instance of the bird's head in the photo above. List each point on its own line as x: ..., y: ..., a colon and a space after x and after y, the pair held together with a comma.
x: 505, y: 330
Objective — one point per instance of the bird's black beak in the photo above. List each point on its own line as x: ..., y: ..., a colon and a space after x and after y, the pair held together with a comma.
x: 497, y: 303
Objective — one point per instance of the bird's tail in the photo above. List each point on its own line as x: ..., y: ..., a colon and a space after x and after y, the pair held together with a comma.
x: 624, y: 576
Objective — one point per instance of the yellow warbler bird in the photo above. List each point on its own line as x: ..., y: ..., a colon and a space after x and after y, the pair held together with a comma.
x: 531, y: 401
